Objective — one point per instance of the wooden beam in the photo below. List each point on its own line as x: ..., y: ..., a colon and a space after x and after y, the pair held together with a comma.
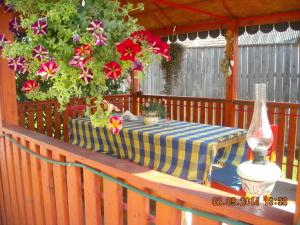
x: 231, y: 81
x: 221, y: 24
x: 8, y: 97
x: 190, y: 9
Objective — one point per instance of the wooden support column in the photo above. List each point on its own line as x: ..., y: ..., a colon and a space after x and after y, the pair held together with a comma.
x: 297, y: 213
x: 231, y: 53
x: 8, y: 97
x: 134, y: 88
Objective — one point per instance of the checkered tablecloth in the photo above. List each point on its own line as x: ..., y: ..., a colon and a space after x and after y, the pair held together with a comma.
x: 182, y: 149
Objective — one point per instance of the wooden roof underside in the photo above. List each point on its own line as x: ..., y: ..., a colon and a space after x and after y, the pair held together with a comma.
x: 160, y: 16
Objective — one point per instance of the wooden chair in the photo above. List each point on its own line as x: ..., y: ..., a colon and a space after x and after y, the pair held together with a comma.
x: 76, y: 110
x: 226, y: 178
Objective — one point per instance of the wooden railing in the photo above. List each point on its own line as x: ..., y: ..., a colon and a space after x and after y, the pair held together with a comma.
x: 43, y: 117
x: 35, y: 192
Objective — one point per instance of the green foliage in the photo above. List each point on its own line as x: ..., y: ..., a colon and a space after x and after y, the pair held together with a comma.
x: 64, y: 20
x: 154, y: 109
x: 171, y: 69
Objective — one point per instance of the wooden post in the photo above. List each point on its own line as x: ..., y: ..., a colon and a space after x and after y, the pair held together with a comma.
x: 8, y: 97
x: 133, y: 89
x: 231, y: 52
x: 297, y: 212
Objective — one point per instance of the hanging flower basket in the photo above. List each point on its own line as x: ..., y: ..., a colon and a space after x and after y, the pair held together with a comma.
x: 79, y: 49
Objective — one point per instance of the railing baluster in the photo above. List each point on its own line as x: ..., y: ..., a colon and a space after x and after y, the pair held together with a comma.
x: 218, y: 115
x: 48, y: 188
x: 113, y: 200
x: 57, y: 121
x: 203, y: 111
x: 37, y: 185
x: 241, y: 116
x: 19, y: 180
x: 49, y: 120
x: 281, y: 137
x: 27, y: 180
x: 138, y: 208
x: 61, y: 193
x: 210, y: 112
x: 12, y: 183
x: 291, y: 143
x: 74, y: 194
x: 167, y: 215
x: 92, y: 199
x: 31, y: 112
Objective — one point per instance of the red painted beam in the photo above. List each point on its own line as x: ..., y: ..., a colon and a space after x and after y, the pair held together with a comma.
x: 187, y: 8
x: 220, y: 24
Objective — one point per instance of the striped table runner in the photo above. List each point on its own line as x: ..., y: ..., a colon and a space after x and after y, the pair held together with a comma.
x: 182, y: 149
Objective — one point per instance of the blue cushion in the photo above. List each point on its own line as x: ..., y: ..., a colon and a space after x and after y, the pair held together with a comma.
x: 227, y: 176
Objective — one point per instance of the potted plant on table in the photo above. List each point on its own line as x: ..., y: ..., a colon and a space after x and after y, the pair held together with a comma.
x: 153, y: 111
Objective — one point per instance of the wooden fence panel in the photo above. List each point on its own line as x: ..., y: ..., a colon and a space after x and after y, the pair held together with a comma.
x: 166, y: 215
x: 138, y: 208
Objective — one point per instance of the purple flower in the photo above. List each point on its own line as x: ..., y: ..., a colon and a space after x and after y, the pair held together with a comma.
x: 40, y: 27
x: 8, y: 8
x: 1, y: 2
x: 39, y: 52
x: 3, y: 41
x: 137, y: 65
x: 76, y: 38
x: 100, y: 39
x: 17, y: 64
x: 95, y: 27
x: 15, y: 26
x: 86, y: 75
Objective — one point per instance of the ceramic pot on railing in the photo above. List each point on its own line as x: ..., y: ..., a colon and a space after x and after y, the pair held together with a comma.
x: 151, y: 118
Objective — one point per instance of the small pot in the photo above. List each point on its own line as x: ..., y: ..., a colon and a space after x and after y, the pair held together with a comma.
x: 150, y: 119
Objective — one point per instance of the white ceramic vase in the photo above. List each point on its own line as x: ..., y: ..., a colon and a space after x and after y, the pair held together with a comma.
x: 150, y: 119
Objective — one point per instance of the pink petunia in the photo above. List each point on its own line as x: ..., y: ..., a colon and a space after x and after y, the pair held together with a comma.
x: 86, y: 75
x: 95, y: 27
x: 47, y: 69
x: 112, y: 70
x: 30, y: 85
x: 17, y: 64
x: 137, y: 66
x: 115, y: 124
x: 77, y: 61
x: 40, y: 27
x: 3, y: 41
x: 100, y: 39
x: 15, y: 26
x: 39, y: 52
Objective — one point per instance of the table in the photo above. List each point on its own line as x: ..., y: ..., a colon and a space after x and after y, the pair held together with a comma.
x: 182, y: 149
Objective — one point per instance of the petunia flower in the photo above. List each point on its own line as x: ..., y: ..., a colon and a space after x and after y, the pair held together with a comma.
x: 77, y: 61
x: 100, y: 39
x: 30, y: 85
x: 159, y: 47
x: 15, y: 26
x: 8, y: 8
x: 40, y: 27
x: 76, y: 38
x: 95, y: 27
x: 128, y: 50
x: 141, y: 35
x: 39, y: 52
x: 110, y: 107
x: 112, y: 70
x: 47, y: 69
x: 17, y: 64
x: 86, y: 75
x: 3, y: 41
x: 115, y: 124
x: 83, y: 51
x: 137, y: 66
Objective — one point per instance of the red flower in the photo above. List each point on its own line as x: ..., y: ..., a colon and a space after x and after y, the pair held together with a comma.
x: 77, y: 61
x: 30, y: 86
x: 141, y: 35
x: 159, y: 47
x: 112, y: 70
x: 86, y: 75
x: 128, y: 50
x: 83, y: 51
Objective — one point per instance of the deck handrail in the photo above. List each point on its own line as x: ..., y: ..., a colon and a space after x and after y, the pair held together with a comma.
x: 161, y: 185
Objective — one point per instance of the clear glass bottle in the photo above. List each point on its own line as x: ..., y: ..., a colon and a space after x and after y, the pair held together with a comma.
x: 259, y: 136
